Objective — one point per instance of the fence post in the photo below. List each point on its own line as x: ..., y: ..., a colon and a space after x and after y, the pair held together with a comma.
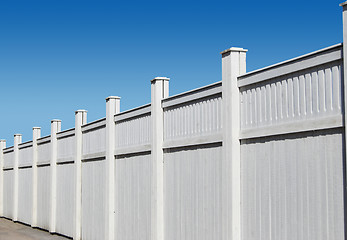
x: 112, y: 108
x: 159, y: 90
x: 80, y: 119
x: 2, y: 147
x: 55, y: 127
x: 344, y: 17
x: 233, y: 65
x: 17, y: 141
x: 36, y: 135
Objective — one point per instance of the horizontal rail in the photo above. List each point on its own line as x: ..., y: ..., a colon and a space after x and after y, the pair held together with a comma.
x: 294, y: 127
x: 200, y: 140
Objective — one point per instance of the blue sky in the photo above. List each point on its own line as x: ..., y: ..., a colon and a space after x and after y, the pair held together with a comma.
x: 60, y: 56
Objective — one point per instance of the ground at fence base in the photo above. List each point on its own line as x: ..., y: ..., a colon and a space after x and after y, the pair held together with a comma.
x: 17, y: 231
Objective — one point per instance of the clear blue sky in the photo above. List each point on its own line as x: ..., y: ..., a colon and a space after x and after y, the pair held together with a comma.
x: 60, y: 56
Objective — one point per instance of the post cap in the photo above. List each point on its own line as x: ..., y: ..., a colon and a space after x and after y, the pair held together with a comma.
x: 2, y: 140
x: 55, y: 120
x: 80, y: 110
x: 36, y: 127
x: 160, y: 78
x: 343, y: 4
x: 112, y: 97
x: 18, y: 135
x: 234, y: 49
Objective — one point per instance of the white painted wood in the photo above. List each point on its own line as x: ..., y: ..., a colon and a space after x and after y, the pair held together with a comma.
x: 159, y: 91
x: 66, y: 199
x: 233, y: 64
x: 193, y: 119
x: 193, y: 193
x: 8, y: 193
x: 44, y: 152
x: 25, y: 195
x: 215, y: 138
x: 130, y: 150
x: 93, y: 200
x: 55, y: 127
x: 43, y: 197
x: 343, y: 79
x: 133, y: 194
x: 36, y: 135
x: 310, y: 94
x: 112, y: 108
x: 292, y: 186
x: 17, y: 141
x: 133, y: 132
x: 66, y: 149
x: 2, y: 147
x: 193, y: 95
x: 94, y: 125
x: 8, y: 159
x: 25, y: 156
x: 133, y: 113
x: 311, y: 60
x: 80, y: 119
x: 94, y: 140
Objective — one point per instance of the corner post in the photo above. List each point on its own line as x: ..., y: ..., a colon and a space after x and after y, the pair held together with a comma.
x: 233, y: 65
x: 80, y: 119
x: 55, y: 127
x: 2, y: 147
x: 112, y: 108
x: 159, y: 91
x: 344, y: 78
x: 17, y: 141
x: 36, y: 135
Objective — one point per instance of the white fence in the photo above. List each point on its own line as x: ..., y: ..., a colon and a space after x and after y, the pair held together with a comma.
x: 259, y: 155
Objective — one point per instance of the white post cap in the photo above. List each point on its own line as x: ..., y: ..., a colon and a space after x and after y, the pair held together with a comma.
x: 17, y: 135
x: 55, y: 120
x: 2, y: 140
x: 80, y: 110
x: 160, y: 79
x: 343, y: 4
x: 234, y: 49
x: 112, y: 97
x: 36, y: 127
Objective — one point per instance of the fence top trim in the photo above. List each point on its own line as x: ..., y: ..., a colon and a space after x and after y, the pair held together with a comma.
x: 8, y: 149
x: 131, y: 113
x: 290, y: 60
x: 93, y: 122
x: 200, y: 89
x: 312, y: 59
x: 25, y: 144
x: 66, y: 133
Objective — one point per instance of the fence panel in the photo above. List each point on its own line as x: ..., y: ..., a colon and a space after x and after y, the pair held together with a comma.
x: 8, y: 193
x: 44, y: 150
x: 25, y: 194
x: 194, y: 114
x: 133, y: 194
x: 65, y: 199
x: 8, y: 158
x: 66, y: 145
x: 93, y: 200
x: 292, y: 149
x: 43, y: 196
x: 192, y: 183
x: 94, y: 139
x: 25, y: 154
